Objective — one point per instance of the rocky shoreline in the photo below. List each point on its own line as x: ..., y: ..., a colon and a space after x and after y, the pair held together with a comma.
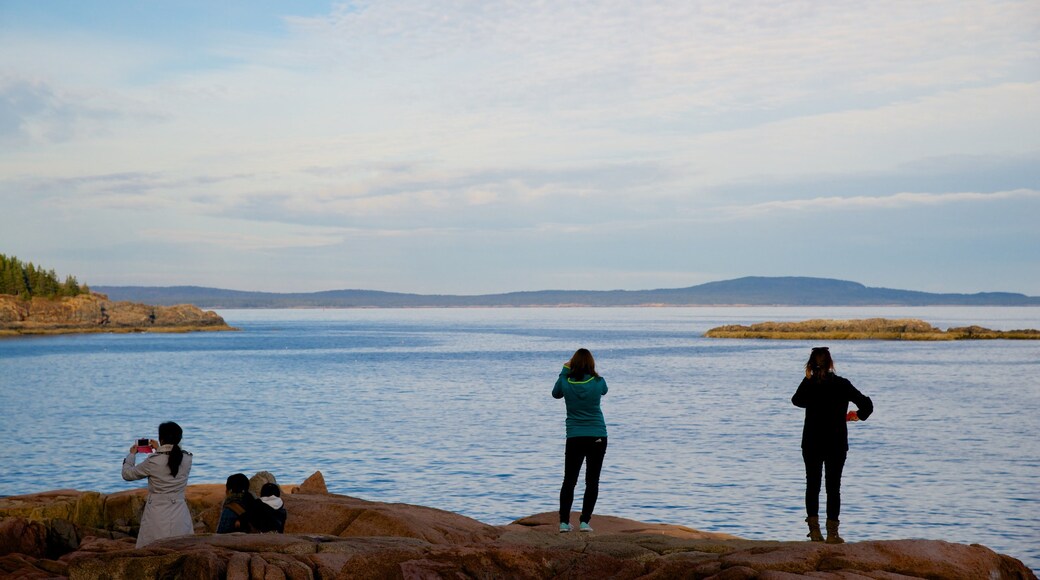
x: 89, y: 535
x: 865, y: 329
x: 90, y: 313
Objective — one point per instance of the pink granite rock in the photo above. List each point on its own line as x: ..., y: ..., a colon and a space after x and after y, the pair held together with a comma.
x: 21, y: 536
x: 549, y: 522
x: 336, y: 536
x: 315, y: 484
x: 345, y: 516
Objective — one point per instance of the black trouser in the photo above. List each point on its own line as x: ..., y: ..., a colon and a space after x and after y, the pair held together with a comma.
x: 591, y: 451
x: 814, y: 465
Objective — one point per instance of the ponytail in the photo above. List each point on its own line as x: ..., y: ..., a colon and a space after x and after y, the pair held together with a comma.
x: 171, y: 433
x: 174, y: 463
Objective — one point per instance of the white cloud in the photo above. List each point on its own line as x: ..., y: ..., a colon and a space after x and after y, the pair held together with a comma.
x: 239, y: 240
x: 467, y: 86
x: 687, y: 55
x: 881, y: 202
x: 1002, y: 119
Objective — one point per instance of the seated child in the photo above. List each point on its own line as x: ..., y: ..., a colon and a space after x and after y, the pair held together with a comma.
x: 270, y: 513
x: 239, y: 505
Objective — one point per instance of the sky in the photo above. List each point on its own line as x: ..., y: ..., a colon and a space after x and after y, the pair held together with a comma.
x: 471, y: 147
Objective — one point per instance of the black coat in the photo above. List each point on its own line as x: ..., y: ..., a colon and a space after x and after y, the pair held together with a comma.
x: 267, y: 519
x: 826, y: 402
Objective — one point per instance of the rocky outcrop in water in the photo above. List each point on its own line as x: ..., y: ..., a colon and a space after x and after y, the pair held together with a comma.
x: 865, y: 329
x: 95, y: 313
x: 87, y: 535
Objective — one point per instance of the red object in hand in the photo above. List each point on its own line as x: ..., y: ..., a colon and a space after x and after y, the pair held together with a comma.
x: 144, y: 446
x: 852, y: 416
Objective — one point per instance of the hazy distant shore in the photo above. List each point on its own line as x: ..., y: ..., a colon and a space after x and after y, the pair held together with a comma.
x: 750, y: 291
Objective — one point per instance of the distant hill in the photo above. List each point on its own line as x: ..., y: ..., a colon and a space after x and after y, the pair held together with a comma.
x: 749, y: 291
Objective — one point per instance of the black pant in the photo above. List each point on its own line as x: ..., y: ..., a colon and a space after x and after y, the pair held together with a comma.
x: 814, y: 465
x: 591, y: 451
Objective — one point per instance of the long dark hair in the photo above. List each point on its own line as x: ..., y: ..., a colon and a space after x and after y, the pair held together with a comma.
x: 582, y: 364
x: 170, y: 433
x: 820, y: 364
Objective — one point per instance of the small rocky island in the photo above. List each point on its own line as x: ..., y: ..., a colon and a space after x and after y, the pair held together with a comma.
x: 96, y: 313
x: 34, y: 300
x: 865, y: 329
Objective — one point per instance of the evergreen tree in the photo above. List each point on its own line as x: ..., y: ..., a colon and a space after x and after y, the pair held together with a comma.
x: 27, y: 280
x: 70, y: 287
x: 15, y: 281
x: 8, y: 273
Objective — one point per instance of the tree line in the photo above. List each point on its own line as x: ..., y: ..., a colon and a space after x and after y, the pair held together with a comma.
x: 28, y: 280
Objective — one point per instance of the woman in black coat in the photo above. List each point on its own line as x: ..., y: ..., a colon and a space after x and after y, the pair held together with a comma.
x: 825, y: 437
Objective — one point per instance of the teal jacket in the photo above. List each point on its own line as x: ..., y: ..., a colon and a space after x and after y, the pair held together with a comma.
x: 584, y: 417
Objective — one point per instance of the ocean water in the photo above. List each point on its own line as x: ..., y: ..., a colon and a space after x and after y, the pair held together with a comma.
x: 450, y: 408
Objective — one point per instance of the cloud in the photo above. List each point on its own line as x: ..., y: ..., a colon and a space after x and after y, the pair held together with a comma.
x: 35, y: 112
x: 868, y: 203
x: 239, y: 240
x: 131, y: 190
x: 425, y: 197
x: 989, y: 120
x: 468, y: 87
x: 672, y: 57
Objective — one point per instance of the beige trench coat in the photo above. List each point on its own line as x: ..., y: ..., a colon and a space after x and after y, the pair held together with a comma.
x: 166, y: 512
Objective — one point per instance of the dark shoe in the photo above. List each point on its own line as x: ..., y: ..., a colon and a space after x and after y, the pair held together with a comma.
x: 814, y: 534
x: 832, y: 533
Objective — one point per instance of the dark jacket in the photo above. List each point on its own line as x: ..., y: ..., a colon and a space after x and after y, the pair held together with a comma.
x: 826, y: 403
x: 236, y: 513
x: 266, y: 518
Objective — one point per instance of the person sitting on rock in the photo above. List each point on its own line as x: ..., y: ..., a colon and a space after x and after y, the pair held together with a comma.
x: 239, y: 505
x: 270, y: 514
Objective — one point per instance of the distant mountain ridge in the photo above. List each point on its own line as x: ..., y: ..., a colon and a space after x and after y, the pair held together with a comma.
x: 747, y: 291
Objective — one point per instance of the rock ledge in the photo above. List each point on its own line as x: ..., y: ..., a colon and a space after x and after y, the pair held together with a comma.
x: 88, y: 535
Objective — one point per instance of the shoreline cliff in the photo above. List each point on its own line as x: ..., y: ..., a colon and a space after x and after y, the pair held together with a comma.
x: 89, y: 535
x: 91, y: 313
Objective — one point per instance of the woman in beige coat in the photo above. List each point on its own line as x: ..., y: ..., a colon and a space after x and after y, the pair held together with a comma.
x: 165, y: 512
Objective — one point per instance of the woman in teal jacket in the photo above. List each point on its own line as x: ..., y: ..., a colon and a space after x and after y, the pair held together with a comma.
x: 581, y: 387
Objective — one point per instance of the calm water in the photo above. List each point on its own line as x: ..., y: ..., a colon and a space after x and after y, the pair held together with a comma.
x: 451, y: 409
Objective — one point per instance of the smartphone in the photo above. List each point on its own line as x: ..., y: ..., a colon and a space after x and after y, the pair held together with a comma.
x: 143, y: 446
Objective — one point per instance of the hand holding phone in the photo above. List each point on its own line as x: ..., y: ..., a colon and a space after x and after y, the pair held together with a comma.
x: 144, y: 445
